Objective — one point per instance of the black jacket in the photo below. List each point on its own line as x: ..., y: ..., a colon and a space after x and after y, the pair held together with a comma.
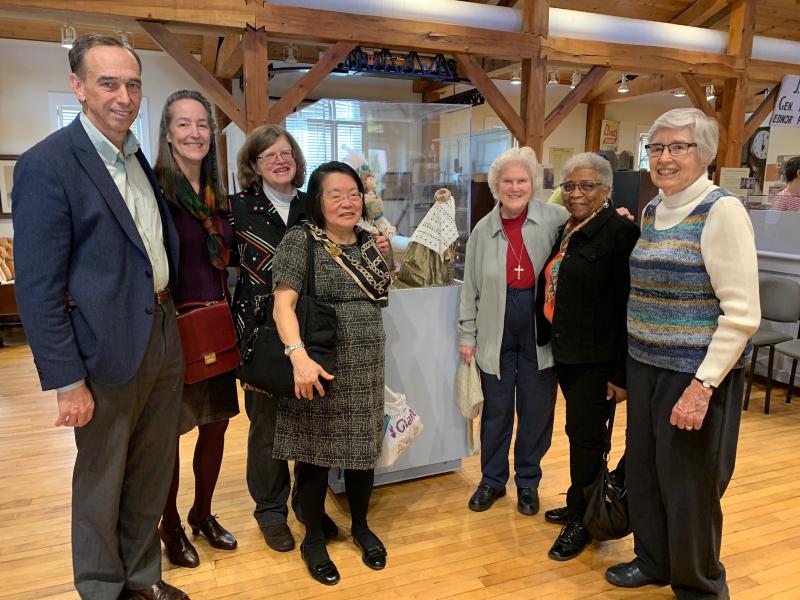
x: 257, y: 230
x: 590, y: 319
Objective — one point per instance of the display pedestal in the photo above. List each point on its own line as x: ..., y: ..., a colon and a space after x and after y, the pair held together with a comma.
x: 421, y: 362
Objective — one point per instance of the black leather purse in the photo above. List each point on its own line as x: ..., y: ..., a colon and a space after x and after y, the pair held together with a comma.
x: 264, y: 367
x: 606, y: 516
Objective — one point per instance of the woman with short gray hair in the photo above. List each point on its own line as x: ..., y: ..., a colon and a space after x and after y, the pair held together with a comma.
x: 496, y: 328
x: 693, y: 306
x: 581, y: 300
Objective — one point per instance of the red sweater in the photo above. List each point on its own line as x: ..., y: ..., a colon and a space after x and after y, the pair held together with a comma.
x: 516, y: 250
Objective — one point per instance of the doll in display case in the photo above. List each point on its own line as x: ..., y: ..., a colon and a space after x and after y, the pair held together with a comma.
x: 428, y: 261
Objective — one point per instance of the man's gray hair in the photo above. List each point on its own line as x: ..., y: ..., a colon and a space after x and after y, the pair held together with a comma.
x: 590, y: 160
x: 523, y: 156
x: 705, y: 130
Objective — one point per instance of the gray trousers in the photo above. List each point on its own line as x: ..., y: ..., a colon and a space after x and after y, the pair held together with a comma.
x: 123, y: 470
x: 676, y: 479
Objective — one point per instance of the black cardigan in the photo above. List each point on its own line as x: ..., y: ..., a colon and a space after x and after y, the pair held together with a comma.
x: 590, y: 318
x: 257, y: 231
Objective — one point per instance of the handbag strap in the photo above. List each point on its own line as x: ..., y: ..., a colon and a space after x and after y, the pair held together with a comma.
x: 610, y: 429
x: 309, y: 283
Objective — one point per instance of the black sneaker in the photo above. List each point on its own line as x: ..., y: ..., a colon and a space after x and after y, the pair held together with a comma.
x: 570, y: 542
x: 484, y: 497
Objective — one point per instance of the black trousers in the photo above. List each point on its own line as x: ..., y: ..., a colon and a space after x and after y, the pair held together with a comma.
x: 584, y: 387
x: 676, y: 479
x: 267, y: 477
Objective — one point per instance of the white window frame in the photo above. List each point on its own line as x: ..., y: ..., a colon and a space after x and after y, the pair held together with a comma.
x: 141, y: 126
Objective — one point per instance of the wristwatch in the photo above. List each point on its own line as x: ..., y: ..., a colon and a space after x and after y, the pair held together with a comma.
x: 292, y: 347
x: 705, y: 384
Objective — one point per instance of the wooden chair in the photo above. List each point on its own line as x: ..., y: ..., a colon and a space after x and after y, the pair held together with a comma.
x: 780, y: 302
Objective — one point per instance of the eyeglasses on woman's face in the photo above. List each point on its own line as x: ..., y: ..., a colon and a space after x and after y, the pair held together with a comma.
x: 271, y: 157
x: 338, y: 198
x: 587, y: 186
x: 675, y: 148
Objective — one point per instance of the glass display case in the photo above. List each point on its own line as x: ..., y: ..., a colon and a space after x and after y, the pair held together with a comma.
x: 412, y: 150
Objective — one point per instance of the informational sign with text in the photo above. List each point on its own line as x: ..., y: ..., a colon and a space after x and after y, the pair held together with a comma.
x: 787, y: 108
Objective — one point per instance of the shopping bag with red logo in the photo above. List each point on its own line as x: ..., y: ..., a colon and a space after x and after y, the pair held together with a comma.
x: 401, y: 426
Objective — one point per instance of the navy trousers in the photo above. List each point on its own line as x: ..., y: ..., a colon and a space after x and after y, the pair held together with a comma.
x: 523, y: 384
x: 676, y: 479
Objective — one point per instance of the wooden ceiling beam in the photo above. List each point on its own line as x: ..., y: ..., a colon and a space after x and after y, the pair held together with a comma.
x: 633, y: 58
x: 469, y: 65
x: 700, y: 12
x: 229, y: 57
x: 760, y: 113
x: 213, y: 88
x: 208, y: 54
x: 256, y: 77
x: 292, y: 98
x: 697, y: 95
x: 571, y: 100
x: 607, y: 82
x: 536, y: 22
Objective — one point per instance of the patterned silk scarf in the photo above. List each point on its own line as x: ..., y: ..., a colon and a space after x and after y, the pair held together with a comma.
x: 201, y: 209
x: 571, y: 227
x: 369, y: 271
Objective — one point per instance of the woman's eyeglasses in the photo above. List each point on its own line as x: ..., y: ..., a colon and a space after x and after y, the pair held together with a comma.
x: 586, y: 186
x: 339, y: 198
x: 675, y: 148
x: 271, y: 157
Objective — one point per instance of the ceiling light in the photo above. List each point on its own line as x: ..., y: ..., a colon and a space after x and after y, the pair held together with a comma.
x: 574, y: 80
x: 710, y: 95
x: 515, y: 78
x: 553, y: 78
x: 623, y: 84
x: 67, y: 36
x: 680, y: 92
x: 289, y: 54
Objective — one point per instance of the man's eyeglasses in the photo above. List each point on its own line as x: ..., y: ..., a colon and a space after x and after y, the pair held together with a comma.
x: 271, y: 157
x: 339, y: 198
x: 586, y: 186
x: 675, y: 148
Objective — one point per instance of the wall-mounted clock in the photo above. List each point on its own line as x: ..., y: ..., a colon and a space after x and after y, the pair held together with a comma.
x: 759, y: 144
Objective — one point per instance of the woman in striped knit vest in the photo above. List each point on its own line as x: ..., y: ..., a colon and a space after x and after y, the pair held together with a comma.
x: 693, y: 307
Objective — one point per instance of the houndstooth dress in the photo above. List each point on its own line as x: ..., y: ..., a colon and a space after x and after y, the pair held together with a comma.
x: 345, y: 427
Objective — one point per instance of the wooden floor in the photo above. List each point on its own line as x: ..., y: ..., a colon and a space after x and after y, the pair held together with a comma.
x: 437, y: 548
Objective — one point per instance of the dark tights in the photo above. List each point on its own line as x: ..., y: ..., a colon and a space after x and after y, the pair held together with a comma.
x: 312, y: 485
x: 206, y: 464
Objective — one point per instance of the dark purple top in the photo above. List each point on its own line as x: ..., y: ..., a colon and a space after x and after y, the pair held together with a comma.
x: 198, y: 280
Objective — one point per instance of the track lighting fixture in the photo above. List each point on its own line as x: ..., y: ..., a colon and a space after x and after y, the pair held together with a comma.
x: 574, y: 80
x: 515, y: 78
x: 623, y: 84
x: 553, y: 78
x: 67, y: 36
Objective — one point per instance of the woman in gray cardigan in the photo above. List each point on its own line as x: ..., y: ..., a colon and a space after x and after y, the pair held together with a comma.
x: 505, y: 252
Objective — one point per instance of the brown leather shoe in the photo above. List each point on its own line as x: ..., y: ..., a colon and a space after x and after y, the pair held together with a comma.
x: 180, y: 551
x: 158, y: 591
x: 216, y: 534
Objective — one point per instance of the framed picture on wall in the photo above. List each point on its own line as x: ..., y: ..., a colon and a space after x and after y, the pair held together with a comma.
x: 7, y: 163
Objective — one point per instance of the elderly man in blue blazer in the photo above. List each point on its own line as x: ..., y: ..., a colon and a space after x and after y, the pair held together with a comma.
x: 96, y: 251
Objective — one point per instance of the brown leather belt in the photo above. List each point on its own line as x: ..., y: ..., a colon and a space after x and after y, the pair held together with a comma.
x: 163, y: 296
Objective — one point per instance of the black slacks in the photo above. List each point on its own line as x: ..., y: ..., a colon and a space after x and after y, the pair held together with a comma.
x: 267, y: 477
x: 676, y: 479
x: 584, y: 387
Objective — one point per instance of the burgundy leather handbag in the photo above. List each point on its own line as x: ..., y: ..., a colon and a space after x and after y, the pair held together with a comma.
x: 209, y: 340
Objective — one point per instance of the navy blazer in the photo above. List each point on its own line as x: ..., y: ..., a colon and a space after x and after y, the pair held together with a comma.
x: 74, y: 234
